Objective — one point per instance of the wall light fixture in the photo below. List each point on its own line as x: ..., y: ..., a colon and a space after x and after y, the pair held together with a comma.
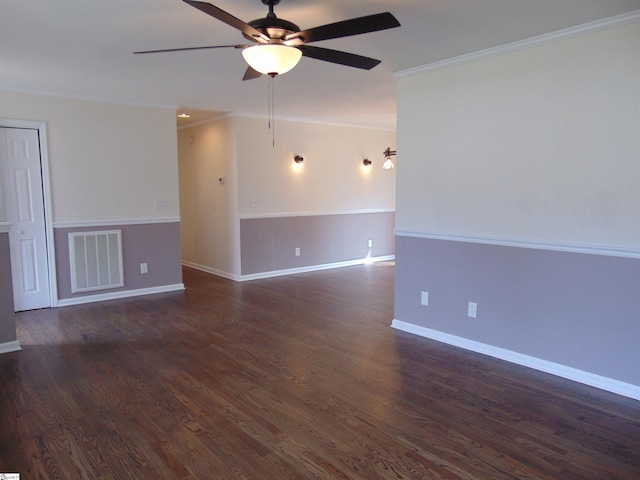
x: 366, y: 162
x: 298, y: 159
x: 388, y: 163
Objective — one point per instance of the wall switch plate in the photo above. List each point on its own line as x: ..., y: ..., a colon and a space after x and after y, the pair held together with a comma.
x: 424, y: 298
x: 144, y: 268
x: 472, y: 310
x: 297, y: 251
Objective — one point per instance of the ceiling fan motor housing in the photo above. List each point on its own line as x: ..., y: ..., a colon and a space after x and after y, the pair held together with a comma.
x: 276, y: 29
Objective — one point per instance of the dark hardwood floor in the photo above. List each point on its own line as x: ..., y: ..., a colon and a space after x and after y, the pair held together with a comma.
x: 297, y: 377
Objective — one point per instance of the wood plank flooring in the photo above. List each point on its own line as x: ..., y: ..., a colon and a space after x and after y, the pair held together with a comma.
x: 297, y: 377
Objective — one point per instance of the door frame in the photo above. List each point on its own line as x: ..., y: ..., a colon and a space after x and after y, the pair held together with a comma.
x: 41, y: 127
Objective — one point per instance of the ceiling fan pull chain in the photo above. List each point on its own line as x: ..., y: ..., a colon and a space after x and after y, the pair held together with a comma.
x: 273, y: 112
x: 269, y: 101
x: 272, y: 108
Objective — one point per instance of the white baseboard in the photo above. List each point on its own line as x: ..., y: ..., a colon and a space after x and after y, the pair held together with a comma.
x: 213, y: 271
x: 121, y: 294
x: 591, y: 379
x: 289, y: 271
x: 314, y: 268
x: 8, y: 347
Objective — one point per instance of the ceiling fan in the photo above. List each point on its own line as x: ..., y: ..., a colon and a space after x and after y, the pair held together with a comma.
x: 279, y: 44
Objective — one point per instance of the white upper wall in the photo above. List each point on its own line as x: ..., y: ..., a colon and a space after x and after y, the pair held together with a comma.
x: 541, y: 145
x: 108, y: 161
x: 207, y: 205
x: 332, y: 178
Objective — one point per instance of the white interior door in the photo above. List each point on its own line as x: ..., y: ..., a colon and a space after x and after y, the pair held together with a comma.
x: 23, y: 206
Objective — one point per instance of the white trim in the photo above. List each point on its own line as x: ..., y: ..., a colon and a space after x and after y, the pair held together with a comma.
x: 314, y: 268
x: 86, y: 98
x: 509, y: 242
x: 591, y: 379
x: 327, y: 123
x: 213, y: 271
x: 290, y: 271
x: 204, y: 121
x: 118, y: 295
x: 8, y: 347
x: 311, y: 121
x: 113, y: 223
x: 244, y: 216
x: 46, y: 193
x: 536, y: 41
x: 5, y: 227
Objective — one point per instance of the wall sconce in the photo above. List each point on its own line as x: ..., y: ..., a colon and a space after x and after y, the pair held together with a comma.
x: 298, y: 159
x: 388, y: 163
x: 366, y: 162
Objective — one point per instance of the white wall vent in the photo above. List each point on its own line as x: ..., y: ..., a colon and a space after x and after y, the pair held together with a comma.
x: 96, y: 260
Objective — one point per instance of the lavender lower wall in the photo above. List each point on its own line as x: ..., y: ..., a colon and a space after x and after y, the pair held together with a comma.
x: 268, y: 244
x: 7, y: 318
x: 574, y: 309
x: 157, y: 244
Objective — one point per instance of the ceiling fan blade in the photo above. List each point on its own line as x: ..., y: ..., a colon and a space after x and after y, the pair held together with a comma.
x: 336, y: 56
x: 250, y: 74
x: 229, y: 19
x: 346, y: 28
x: 191, y: 48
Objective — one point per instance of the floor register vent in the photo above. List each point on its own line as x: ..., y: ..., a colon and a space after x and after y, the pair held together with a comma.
x: 96, y: 260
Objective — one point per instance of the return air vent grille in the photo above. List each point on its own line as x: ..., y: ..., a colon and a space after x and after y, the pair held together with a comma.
x: 96, y: 260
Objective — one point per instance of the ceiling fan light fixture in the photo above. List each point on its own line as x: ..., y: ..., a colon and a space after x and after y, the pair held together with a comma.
x: 272, y: 59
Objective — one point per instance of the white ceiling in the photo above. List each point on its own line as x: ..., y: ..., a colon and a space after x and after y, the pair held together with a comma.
x: 83, y: 49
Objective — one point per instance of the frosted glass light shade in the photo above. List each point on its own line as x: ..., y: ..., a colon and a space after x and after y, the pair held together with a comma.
x: 272, y: 59
x: 388, y: 164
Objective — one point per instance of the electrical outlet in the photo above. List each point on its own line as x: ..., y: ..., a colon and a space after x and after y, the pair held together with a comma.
x: 144, y: 268
x: 297, y: 251
x: 472, y: 310
x: 370, y: 243
x: 424, y: 298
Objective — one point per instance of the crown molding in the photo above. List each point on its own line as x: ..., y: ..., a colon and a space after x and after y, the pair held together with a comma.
x: 536, y: 41
x: 84, y: 98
